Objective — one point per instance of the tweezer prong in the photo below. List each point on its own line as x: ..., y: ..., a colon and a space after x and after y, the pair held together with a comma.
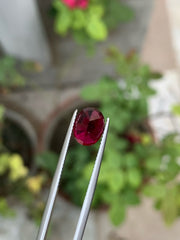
x: 55, y: 183
x: 91, y: 188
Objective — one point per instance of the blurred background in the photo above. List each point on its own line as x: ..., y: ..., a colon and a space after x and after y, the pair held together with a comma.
x: 121, y: 57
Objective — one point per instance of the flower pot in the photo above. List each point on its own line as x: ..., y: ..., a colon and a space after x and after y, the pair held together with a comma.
x: 19, y: 136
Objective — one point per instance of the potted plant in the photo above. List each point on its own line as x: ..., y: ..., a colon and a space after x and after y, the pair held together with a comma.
x: 134, y: 164
x: 10, y: 78
x: 89, y: 21
x: 18, y: 182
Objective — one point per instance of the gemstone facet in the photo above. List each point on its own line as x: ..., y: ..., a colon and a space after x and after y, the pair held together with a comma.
x: 88, y: 126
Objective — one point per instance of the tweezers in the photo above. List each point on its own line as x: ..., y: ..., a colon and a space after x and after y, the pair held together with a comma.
x: 79, y: 232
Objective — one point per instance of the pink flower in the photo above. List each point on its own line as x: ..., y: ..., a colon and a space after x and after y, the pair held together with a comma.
x: 70, y: 3
x: 83, y: 4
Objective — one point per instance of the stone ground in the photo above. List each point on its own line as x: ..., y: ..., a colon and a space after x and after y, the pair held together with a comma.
x: 159, y: 46
x: 63, y: 225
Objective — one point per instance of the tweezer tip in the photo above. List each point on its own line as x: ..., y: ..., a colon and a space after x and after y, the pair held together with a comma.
x: 107, y: 125
x: 76, y: 110
x: 74, y: 115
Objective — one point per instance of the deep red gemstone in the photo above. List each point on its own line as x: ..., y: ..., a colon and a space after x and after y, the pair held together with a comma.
x: 88, y: 126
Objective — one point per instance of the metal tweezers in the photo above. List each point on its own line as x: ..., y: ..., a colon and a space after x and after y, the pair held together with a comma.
x: 55, y: 183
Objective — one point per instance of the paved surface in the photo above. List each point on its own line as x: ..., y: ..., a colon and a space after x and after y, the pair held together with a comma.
x: 157, y: 50
x: 18, y: 228
x: 144, y: 223
x: 173, y: 8
x: 62, y: 227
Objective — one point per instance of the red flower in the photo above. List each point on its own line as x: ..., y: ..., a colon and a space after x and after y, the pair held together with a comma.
x: 70, y: 3
x: 132, y: 138
x: 82, y: 3
x: 76, y: 3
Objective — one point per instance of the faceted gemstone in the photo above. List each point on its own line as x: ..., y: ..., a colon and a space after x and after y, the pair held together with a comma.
x: 88, y: 126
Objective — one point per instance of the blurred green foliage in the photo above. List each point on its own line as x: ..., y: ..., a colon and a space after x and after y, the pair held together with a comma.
x: 9, y: 76
x: 5, y: 210
x: 12, y: 171
x: 133, y: 165
x: 92, y: 24
x: 176, y: 109
x: 47, y: 161
x: 16, y: 182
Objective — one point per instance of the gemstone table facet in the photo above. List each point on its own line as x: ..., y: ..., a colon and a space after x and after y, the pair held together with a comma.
x: 89, y: 126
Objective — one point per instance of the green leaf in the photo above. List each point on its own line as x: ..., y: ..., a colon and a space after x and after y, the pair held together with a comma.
x: 157, y: 191
x: 96, y: 10
x: 88, y: 170
x: 116, y: 180
x: 96, y: 28
x: 140, y: 151
x: 58, y: 5
x: 146, y: 139
x: 81, y: 37
x: 171, y: 171
x: 117, y: 212
x: 130, y: 160
x: 79, y: 19
x: 9, y: 76
x: 144, y: 71
x: 4, y: 162
x: 176, y: 109
x: 108, y: 197
x: 131, y: 197
x: 101, y: 91
x: 116, y: 143
x: 153, y: 163
x: 63, y: 22
x: 112, y: 158
x: 118, y: 123
x: 156, y: 75
x: 169, y: 206
x: 5, y: 210
x: 134, y: 177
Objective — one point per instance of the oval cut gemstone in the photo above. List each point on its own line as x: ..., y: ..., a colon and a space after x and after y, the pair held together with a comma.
x: 88, y: 126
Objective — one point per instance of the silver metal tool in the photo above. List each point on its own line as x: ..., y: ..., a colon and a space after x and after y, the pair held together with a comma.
x: 55, y: 183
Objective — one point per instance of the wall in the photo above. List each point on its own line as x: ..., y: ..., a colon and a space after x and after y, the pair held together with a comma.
x: 21, y: 30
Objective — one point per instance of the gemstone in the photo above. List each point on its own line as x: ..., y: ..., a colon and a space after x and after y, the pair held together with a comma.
x: 88, y: 126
